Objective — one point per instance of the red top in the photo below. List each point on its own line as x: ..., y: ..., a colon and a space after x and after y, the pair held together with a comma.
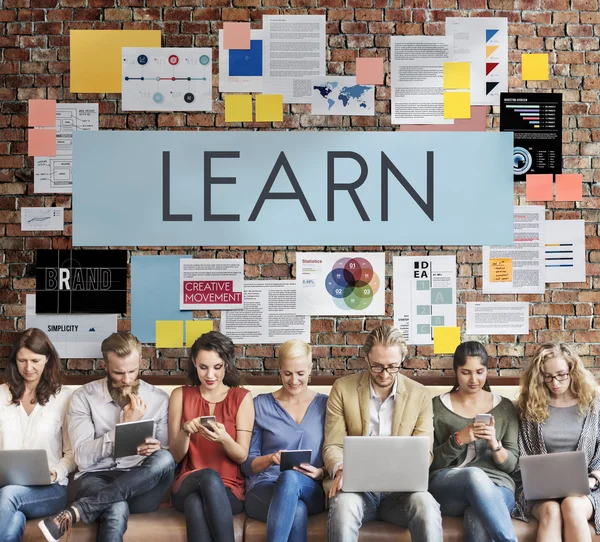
x: 204, y: 454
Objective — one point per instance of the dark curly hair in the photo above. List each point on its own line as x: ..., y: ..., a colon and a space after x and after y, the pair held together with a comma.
x: 37, y: 341
x: 214, y: 341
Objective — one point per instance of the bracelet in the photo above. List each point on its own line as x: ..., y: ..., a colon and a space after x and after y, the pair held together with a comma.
x: 498, y: 448
x: 457, y: 439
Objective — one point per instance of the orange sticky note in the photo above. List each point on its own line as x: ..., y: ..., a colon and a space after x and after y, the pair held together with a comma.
x: 236, y: 35
x: 42, y: 113
x: 501, y: 270
x: 569, y: 187
x: 369, y: 71
x: 41, y: 142
x: 538, y: 187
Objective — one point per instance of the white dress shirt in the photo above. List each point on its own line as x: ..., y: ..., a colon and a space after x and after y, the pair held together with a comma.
x: 93, y: 416
x: 44, y: 429
x: 381, y: 412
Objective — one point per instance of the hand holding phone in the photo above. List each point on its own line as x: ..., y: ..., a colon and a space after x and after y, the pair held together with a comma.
x: 205, y: 419
x: 484, y: 418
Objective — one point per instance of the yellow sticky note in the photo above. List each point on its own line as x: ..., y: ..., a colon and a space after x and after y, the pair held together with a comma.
x: 445, y: 339
x: 96, y: 57
x: 196, y: 328
x: 457, y: 105
x: 169, y: 333
x: 501, y: 270
x: 238, y: 108
x: 457, y: 75
x: 269, y: 108
x: 534, y: 67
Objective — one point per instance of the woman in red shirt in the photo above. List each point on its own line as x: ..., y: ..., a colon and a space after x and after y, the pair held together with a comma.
x: 209, y: 487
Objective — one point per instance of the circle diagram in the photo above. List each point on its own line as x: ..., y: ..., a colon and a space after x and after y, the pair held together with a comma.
x: 352, y: 283
x: 173, y: 60
x: 204, y: 60
x: 158, y: 97
x: 142, y: 59
x: 188, y: 97
x: 522, y: 161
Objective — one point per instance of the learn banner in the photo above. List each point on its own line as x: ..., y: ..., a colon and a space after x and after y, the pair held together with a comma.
x: 292, y: 188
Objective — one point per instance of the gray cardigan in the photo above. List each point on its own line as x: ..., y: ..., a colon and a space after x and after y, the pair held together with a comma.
x: 447, y: 454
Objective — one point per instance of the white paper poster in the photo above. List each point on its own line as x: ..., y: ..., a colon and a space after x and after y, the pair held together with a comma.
x: 497, y: 318
x: 482, y: 41
x: 340, y: 283
x: 518, y: 268
x: 73, y: 335
x: 294, y: 53
x: 53, y: 174
x: 418, y: 79
x: 241, y: 70
x: 269, y: 315
x: 564, y: 255
x: 211, y: 284
x: 167, y: 79
x: 42, y: 218
x: 424, y: 295
x: 341, y: 96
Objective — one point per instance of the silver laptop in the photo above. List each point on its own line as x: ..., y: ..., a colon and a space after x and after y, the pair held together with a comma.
x: 386, y: 464
x: 24, y: 468
x: 553, y: 476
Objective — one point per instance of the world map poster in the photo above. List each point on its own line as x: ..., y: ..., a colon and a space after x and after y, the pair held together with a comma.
x: 341, y: 96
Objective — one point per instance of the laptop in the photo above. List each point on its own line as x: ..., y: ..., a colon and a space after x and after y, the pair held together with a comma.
x: 554, y: 476
x: 24, y: 468
x: 386, y: 464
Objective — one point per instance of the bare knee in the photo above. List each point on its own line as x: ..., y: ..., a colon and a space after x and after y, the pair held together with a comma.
x: 574, y: 509
x: 549, y: 514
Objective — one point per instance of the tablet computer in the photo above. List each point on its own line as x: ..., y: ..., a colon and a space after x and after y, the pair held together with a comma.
x: 293, y: 458
x: 130, y: 435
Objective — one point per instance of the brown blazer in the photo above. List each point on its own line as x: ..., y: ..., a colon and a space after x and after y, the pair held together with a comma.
x: 348, y: 413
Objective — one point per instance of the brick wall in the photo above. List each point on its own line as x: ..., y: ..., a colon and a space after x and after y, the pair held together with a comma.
x: 34, y: 36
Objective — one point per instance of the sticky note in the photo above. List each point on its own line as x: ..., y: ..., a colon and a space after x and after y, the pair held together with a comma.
x: 96, y: 57
x: 41, y: 142
x: 538, y: 187
x: 369, y: 71
x: 457, y: 105
x: 269, y: 108
x: 196, y: 328
x: 236, y: 35
x: 569, y: 187
x: 238, y: 108
x: 445, y: 339
x: 501, y: 270
x: 457, y: 75
x: 169, y: 333
x: 534, y: 67
x: 42, y: 113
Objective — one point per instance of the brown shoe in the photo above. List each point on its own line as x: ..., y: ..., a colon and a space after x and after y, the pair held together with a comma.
x: 55, y: 527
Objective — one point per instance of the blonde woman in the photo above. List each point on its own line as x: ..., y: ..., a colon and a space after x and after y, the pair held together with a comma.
x: 291, y: 418
x: 559, y: 411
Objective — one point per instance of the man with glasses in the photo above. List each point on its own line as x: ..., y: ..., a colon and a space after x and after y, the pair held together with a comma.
x: 378, y: 402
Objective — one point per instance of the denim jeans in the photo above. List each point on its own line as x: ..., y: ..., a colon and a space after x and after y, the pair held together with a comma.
x: 486, y: 507
x: 418, y: 511
x: 286, y: 505
x: 208, y: 506
x: 110, y: 496
x: 19, y: 503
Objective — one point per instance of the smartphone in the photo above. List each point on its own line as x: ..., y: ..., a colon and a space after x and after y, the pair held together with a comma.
x: 484, y: 418
x: 205, y: 419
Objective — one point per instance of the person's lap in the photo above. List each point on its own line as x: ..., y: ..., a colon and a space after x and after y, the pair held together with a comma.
x: 586, y: 504
x: 35, y: 501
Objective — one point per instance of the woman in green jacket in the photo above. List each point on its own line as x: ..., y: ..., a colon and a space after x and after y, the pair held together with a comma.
x: 473, y: 459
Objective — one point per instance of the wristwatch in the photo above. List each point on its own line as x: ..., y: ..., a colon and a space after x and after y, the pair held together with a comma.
x: 498, y: 448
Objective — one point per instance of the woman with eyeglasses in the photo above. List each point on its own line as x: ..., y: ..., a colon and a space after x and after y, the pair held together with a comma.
x: 474, y: 456
x: 559, y: 411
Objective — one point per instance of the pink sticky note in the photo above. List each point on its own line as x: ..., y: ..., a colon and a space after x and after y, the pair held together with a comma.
x: 477, y: 123
x: 569, y: 187
x: 236, y: 35
x: 369, y: 71
x: 42, y: 113
x: 41, y: 142
x: 538, y: 187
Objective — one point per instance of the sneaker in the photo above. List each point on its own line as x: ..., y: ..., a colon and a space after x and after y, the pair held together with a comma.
x: 55, y: 527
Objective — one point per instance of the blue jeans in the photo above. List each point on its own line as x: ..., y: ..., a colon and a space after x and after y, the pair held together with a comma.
x: 110, y: 496
x: 285, y: 505
x: 418, y: 511
x: 19, y: 503
x: 486, y: 506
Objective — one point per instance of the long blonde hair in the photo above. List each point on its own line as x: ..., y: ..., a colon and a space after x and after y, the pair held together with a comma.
x: 533, y: 399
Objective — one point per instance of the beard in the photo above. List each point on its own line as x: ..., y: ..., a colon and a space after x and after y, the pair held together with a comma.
x: 120, y: 393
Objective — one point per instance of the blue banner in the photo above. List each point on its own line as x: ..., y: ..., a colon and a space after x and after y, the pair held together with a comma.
x: 292, y: 188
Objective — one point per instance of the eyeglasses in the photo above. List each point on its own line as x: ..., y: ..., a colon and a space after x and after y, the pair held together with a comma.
x: 561, y: 377
x: 377, y: 369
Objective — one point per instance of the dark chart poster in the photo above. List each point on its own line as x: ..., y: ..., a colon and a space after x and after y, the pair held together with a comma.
x: 81, y: 281
x: 536, y: 120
